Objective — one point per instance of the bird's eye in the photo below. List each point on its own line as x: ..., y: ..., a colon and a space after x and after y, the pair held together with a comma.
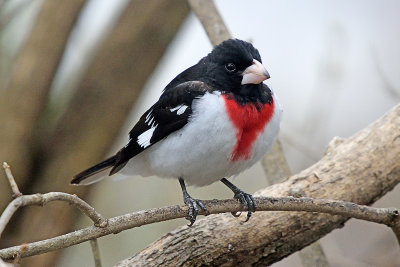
x: 230, y: 67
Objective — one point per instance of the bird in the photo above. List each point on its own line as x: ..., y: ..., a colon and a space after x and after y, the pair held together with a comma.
x: 212, y: 121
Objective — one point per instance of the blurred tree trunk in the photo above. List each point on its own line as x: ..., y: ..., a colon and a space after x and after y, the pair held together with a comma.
x: 24, y: 98
x: 96, y: 112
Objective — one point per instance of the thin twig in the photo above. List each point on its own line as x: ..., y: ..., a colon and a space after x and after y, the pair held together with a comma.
x: 43, y: 199
x: 96, y: 252
x: 11, y: 180
x: 387, y: 216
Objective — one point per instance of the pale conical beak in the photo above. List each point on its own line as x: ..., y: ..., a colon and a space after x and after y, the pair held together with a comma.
x: 255, y: 74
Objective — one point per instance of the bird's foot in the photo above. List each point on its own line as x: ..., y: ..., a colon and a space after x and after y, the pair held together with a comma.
x: 193, y: 205
x: 247, y: 200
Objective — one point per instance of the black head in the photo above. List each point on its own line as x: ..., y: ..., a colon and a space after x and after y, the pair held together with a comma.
x: 233, y: 65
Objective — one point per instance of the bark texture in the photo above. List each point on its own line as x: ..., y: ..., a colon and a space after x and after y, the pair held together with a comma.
x: 360, y: 169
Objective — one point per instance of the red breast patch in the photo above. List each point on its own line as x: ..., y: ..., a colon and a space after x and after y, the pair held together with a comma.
x: 249, y: 121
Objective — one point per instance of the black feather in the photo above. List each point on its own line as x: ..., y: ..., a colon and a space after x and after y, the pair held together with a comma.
x: 108, y: 163
x: 208, y: 75
x: 165, y: 120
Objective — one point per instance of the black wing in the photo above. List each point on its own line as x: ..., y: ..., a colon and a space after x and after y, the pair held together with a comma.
x: 169, y: 114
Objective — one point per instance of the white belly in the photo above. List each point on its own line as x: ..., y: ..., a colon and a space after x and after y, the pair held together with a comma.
x: 201, y: 151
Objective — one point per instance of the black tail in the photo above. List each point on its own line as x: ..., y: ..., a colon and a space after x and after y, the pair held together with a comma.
x: 108, y: 163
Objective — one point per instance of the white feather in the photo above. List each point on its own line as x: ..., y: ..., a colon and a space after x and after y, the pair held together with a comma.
x: 201, y: 151
x: 175, y: 108
x: 148, y: 115
x: 181, y: 110
x: 144, y: 139
x: 150, y: 121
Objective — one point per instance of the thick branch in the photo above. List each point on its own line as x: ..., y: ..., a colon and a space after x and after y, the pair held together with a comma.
x: 360, y: 169
x: 387, y: 216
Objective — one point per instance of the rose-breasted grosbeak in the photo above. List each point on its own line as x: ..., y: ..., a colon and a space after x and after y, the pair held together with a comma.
x: 214, y: 120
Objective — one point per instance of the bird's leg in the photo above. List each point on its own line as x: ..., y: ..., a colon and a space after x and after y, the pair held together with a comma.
x: 192, y: 204
x: 246, y: 199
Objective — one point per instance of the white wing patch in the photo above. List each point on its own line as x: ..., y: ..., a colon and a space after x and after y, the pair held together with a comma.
x: 149, y: 118
x: 143, y: 140
x: 180, y: 109
x: 151, y: 121
x: 148, y: 115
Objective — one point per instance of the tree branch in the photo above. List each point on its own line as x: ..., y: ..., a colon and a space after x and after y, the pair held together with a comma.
x: 274, y: 163
x: 43, y: 199
x: 211, y: 20
x: 387, y: 216
x: 348, y: 164
x: 25, y: 94
x: 96, y: 252
x: 134, y: 44
x: 360, y: 169
x: 268, y: 236
x: 40, y: 199
x: 11, y: 180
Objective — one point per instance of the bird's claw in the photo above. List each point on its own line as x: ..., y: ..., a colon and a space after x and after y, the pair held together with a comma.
x: 193, y: 205
x: 236, y: 214
x: 248, y: 201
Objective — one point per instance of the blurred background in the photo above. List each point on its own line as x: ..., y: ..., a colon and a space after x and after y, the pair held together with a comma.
x: 76, y: 75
